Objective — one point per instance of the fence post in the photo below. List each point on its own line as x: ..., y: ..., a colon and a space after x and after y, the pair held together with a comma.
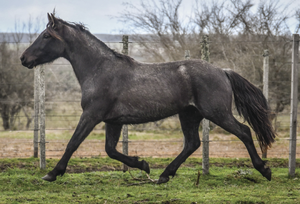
x: 125, y: 127
x: 294, y: 105
x: 42, y: 119
x: 205, y: 122
x: 187, y: 56
x: 36, y: 111
x: 266, y: 83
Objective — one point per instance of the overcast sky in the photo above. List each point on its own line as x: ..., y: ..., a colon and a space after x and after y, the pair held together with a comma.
x: 95, y: 14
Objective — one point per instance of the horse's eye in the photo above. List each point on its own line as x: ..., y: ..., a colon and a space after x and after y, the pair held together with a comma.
x: 47, y: 36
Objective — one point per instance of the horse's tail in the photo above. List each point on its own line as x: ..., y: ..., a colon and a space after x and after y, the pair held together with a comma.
x: 252, y: 105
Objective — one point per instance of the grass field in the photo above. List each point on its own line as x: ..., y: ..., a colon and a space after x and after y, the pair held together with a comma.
x: 99, y: 180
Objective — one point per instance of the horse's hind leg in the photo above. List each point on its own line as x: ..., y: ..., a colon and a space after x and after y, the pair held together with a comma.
x: 230, y: 124
x: 112, y: 137
x: 190, y: 120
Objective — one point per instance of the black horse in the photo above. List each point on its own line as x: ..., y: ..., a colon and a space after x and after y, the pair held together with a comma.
x: 119, y: 90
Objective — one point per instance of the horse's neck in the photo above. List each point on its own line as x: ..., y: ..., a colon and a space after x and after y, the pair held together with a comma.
x: 86, y: 55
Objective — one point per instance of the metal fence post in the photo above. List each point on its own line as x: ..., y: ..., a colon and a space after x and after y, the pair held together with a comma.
x: 266, y: 83
x: 205, y: 122
x: 36, y: 112
x: 125, y: 127
x: 42, y: 119
x: 294, y: 105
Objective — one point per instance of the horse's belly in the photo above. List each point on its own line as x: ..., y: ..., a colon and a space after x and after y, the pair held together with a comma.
x: 141, y: 114
x: 133, y: 119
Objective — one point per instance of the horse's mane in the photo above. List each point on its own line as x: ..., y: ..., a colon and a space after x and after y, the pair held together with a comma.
x: 80, y: 27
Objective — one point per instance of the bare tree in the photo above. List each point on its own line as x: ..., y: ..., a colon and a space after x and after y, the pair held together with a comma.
x: 16, y: 89
x: 33, y: 28
x: 223, y: 18
x: 15, y: 86
x: 271, y: 18
x: 165, y: 28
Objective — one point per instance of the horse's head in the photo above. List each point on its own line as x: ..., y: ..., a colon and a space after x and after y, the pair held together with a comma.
x: 47, y: 47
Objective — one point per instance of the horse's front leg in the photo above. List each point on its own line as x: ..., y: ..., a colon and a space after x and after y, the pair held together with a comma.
x: 85, y: 126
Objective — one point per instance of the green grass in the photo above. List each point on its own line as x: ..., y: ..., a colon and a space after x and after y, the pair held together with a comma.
x: 20, y: 182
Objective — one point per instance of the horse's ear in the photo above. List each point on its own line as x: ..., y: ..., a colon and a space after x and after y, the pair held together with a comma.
x: 49, y: 17
x: 52, y: 20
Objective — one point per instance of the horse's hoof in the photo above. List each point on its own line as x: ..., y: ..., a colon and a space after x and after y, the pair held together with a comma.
x: 162, y: 180
x: 268, y: 174
x: 49, y: 178
x: 146, y: 167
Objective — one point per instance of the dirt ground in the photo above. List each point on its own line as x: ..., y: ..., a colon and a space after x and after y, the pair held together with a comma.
x: 20, y: 148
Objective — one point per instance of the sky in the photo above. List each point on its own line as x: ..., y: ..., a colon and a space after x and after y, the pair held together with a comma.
x: 95, y: 14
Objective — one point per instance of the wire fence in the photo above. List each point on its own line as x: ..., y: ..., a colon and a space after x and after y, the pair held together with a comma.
x: 63, y: 111
x: 160, y: 139
x: 23, y: 148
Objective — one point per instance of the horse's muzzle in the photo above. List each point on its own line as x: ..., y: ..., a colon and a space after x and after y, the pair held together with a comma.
x: 27, y: 63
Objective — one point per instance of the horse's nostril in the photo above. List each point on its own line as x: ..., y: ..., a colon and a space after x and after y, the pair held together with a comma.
x: 22, y: 58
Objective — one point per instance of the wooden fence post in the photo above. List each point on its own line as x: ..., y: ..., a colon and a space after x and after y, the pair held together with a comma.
x: 266, y: 83
x: 42, y: 119
x: 294, y: 105
x: 125, y: 127
x: 205, y: 122
x: 36, y: 112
